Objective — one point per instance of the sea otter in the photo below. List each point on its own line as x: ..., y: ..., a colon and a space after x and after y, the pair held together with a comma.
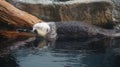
x: 73, y: 29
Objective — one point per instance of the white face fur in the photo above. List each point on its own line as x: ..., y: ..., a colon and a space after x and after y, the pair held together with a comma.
x: 41, y: 28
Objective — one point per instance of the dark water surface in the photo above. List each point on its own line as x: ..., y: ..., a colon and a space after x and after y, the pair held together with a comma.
x: 60, y: 54
x: 58, y: 58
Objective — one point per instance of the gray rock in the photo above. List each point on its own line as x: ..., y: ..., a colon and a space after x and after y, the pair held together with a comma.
x: 116, y: 10
x: 98, y: 12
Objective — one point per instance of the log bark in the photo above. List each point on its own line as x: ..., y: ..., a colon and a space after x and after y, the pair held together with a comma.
x: 14, y: 39
x: 7, y: 36
x: 15, y: 17
x: 11, y: 16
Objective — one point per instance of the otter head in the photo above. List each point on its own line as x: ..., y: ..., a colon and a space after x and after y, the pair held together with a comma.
x: 42, y: 29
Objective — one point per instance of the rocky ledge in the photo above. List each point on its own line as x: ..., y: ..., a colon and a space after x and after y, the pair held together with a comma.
x: 98, y: 12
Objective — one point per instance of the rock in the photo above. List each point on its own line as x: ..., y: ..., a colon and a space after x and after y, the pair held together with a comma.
x: 116, y: 10
x: 98, y: 12
x: 47, y: 12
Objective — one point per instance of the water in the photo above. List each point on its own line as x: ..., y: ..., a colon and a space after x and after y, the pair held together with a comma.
x: 58, y: 58
x: 41, y: 53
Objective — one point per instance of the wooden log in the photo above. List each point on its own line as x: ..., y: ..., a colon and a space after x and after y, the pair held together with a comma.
x: 11, y: 16
x: 7, y: 36
x: 13, y: 39
x: 15, y: 17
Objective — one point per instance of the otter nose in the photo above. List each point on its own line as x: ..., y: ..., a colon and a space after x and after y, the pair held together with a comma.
x: 35, y: 31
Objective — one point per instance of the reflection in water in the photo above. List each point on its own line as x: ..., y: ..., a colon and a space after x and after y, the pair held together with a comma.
x: 75, y: 53
x: 112, y: 58
x: 8, y: 61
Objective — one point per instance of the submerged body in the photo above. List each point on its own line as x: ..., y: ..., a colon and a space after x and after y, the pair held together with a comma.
x: 74, y: 30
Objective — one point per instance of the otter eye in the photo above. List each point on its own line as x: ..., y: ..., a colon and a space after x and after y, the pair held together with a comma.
x: 47, y: 30
x: 35, y: 31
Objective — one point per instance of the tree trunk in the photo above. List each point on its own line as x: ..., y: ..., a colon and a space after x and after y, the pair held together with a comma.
x: 11, y: 16
x: 15, y: 17
x: 15, y: 35
x: 13, y: 38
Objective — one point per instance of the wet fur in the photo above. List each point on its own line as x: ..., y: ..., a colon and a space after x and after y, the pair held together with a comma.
x: 81, y: 30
